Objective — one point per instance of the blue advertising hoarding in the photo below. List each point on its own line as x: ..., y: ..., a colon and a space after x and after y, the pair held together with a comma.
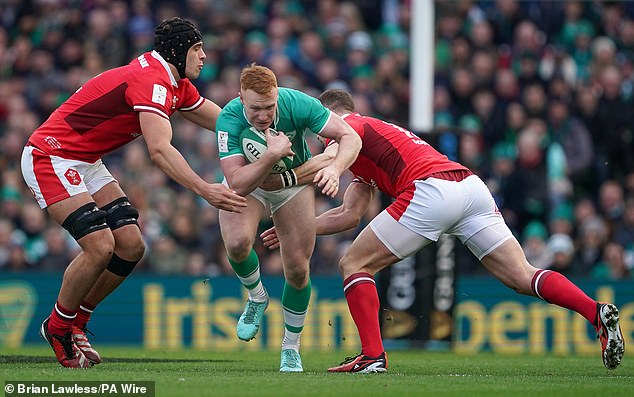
x: 177, y: 312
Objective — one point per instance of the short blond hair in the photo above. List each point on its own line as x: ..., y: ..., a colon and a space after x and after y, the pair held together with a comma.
x: 257, y: 78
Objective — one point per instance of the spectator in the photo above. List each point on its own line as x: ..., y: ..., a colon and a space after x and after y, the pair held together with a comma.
x: 593, y: 235
x: 611, y: 202
x: 576, y: 143
x: 613, y: 265
x: 534, y: 244
x: 562, y: 253
x: 528, y: 190
x: 624, y: 228
x: 613, y: 148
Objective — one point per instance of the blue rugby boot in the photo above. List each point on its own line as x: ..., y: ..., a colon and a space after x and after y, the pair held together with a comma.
x: 251, y: 319
x: 291, y: 361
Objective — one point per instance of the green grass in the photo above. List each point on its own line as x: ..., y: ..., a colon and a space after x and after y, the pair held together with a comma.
x: 411, y: 373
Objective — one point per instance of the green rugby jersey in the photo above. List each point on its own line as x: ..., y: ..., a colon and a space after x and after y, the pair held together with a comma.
x: 297, y: 113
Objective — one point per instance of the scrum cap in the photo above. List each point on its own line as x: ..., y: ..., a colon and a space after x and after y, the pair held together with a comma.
x: 173, y: 38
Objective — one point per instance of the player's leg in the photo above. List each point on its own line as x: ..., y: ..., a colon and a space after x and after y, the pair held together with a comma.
x: 238, y: 234
x: 484, y: 232
x: 508, y: 263
x: 121, y: 217
x: 87, y: 224
x: 59, y: 186
x: 295, y: 225
x: 382, y: 243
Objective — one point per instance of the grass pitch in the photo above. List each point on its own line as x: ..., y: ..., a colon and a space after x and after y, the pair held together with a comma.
x: 411, y: 373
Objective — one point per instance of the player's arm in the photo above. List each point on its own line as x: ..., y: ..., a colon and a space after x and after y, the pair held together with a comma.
x: 205, y: 115
x: 302, y: 175
x: 157, y: 132
x: 349, y: 147
x: 245, y: 177
x: 356, y: 201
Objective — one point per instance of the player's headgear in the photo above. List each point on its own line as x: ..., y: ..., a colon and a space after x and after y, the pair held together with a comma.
x: 173, y: 38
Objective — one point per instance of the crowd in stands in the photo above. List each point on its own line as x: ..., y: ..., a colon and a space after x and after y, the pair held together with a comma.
x: 536, y: 97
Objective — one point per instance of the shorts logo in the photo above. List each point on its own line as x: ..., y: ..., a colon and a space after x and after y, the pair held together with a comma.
x: 159, y: 94
x: 72, y: 176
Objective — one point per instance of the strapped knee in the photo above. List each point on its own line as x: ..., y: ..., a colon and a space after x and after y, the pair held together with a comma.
x: 85, y: 220
x: 121, y: 267
x: 120, y: 213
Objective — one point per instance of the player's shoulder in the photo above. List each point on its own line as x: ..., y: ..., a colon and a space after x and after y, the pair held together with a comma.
x: 231, y: 118
x: 232, y: 108
x: 355, y: 119
x: 296, y: 104
x: 146, y: 68
x: 291, y: 95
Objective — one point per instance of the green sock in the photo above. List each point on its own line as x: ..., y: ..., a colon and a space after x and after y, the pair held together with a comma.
x: 295, y: 305
x: 248, y: 271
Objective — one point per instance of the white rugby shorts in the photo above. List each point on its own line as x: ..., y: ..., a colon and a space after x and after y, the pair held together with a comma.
x: 435, y: 206
x: 274, y: 199
x: 52, y: 179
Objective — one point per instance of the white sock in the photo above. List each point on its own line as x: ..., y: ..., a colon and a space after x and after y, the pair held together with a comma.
x: 291, y: 340
x: 258, y: 294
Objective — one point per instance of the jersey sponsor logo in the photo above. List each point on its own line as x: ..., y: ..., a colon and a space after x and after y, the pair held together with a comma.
x: 159, y: 94
x: 72, y: 176
x: 144, y: 63
x: 52, y: 142
x: 223, y: 139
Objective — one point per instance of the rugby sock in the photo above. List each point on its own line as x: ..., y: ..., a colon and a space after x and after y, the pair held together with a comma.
x: 248, y: 272
x: 295, y: 305
x: 61, y: 320
x: 83, y: 314
x: 363, y: 303
x: 555, y: 288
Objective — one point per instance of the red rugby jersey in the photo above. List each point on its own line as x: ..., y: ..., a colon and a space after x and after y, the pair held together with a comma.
x: 392, y: 157
x: 102, y: 115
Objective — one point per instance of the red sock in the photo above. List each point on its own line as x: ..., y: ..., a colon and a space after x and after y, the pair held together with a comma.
x: 61, y: 319
x: 555, y: 288
x: 363, y: 303
x: 83, y: 314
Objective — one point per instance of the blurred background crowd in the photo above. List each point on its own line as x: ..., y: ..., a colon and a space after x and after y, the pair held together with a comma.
x: 536, y: 97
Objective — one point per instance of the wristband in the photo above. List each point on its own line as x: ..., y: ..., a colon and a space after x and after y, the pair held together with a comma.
x: 289, y: 178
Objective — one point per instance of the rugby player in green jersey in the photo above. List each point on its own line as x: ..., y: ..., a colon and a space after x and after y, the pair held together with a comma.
x: 285, y: 116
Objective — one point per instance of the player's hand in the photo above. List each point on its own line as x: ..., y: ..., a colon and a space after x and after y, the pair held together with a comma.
x: 269, y: 238
x: 277, y: 144
x: 328, y: 179
x: 223, y: 198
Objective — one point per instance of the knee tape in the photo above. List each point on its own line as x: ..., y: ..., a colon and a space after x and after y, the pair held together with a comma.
x: 85, y: 220
x: 120, y: 213
x: 121, y: 267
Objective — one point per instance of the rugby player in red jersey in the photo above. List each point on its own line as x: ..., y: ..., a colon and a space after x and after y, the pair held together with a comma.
x: 61, y: 164
x: 433, y: 195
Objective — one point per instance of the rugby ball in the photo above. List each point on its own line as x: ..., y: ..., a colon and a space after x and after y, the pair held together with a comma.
x: 253, y: 145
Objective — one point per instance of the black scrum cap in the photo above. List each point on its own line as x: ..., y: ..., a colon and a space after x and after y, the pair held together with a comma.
x: 173, y: 38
